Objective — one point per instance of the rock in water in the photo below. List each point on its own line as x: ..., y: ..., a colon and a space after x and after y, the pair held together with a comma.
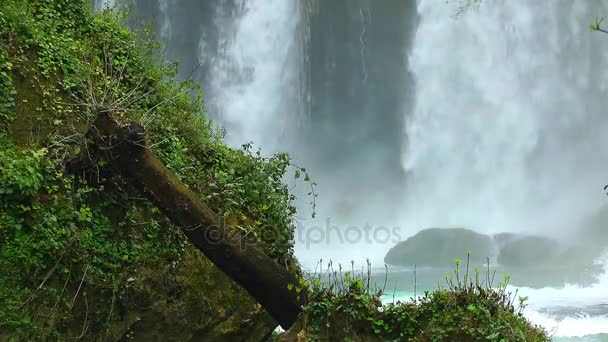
x: 438, y: 247
x: 526, y: 250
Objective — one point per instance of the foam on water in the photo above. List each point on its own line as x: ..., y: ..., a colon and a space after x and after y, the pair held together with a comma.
x: 580, y: 326
x: 571, y: 311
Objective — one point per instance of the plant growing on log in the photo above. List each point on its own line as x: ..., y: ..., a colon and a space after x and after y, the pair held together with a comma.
x: 596, y: 26
x: 123, y: 148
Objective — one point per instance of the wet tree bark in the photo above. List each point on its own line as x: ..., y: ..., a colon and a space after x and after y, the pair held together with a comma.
x: 124, y: 147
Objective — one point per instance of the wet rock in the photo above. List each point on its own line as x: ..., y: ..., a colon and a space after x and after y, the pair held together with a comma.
x: 526, y: 250
x: 438, y: 247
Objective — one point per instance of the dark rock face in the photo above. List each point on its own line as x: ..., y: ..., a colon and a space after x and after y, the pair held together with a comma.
x: 438, y: 247
x: 359, y: 87
x: 522, y: 250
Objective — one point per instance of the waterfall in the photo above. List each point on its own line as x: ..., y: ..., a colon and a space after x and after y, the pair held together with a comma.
x: 251, y: 73
x: 507, y: 132
x: 165, y: 20
x: 243, y: 52
x: 358, y: 88
x: 326, y: 81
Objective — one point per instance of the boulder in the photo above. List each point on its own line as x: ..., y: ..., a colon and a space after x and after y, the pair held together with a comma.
x: 526, y: 250
x: 438, y: 247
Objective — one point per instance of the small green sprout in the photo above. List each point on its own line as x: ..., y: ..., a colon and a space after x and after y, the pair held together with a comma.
x: 596, y: 25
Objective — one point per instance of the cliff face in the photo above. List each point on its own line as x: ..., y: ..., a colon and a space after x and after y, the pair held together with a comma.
x: 87, y: 256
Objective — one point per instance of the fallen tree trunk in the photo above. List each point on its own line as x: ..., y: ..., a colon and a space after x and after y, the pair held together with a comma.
x: 125, y: 150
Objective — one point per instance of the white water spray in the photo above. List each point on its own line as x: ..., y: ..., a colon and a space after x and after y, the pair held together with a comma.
x: 508, y: 128
x: 250, y: 73
x: 507, y: 132
x: 583, y: 309
x: 165, y: 27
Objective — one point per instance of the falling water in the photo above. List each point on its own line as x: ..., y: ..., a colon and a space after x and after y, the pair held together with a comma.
x: 508, y: 128
x: 359, y: 90
x: 243, y: 52
x: 250, y: 74
x: 507, y: 132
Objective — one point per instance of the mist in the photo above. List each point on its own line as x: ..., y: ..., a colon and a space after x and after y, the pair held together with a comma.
x: 506, y: 133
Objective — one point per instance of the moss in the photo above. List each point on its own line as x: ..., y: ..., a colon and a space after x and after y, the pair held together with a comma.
x: 91, y: 258
x: 28, y: 126
x: 467, y: 309
x: 194, y: 301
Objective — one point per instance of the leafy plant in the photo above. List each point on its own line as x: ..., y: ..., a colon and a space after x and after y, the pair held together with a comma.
x: 469, y: 308
x: 596, y: 26
x: 64, y: 240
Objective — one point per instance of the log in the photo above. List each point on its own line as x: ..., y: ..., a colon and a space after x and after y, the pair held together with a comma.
x: 124, y: 148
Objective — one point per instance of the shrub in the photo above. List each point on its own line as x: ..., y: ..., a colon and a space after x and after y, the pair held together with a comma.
x: 466, y: 309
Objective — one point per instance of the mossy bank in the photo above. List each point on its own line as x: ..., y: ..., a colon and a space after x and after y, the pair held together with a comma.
x: 91, y: 258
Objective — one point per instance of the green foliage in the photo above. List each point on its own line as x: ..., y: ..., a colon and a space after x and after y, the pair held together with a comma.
x: 7, y: 91
x: 64, y: 240
x: 596, y: 25
x: 468, y: 309
x: 56, y: 231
